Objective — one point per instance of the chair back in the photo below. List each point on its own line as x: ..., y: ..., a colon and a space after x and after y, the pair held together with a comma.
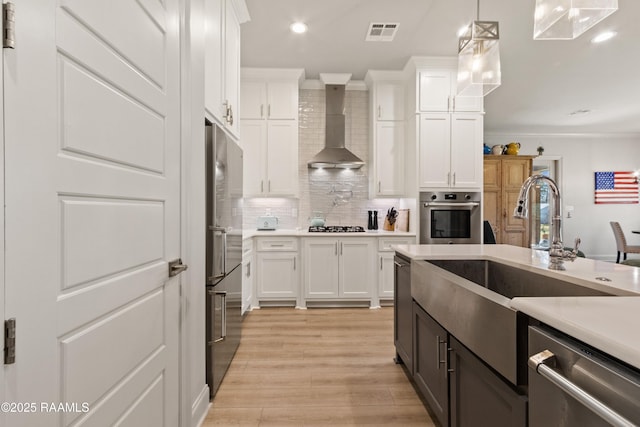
x: 621, y: 242
x: 489, y: 237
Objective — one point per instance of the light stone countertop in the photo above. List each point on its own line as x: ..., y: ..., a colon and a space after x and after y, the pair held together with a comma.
x: 248, y: 233
x: 606, y: 323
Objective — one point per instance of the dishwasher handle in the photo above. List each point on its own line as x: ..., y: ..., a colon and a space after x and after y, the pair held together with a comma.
x: 544, y: 362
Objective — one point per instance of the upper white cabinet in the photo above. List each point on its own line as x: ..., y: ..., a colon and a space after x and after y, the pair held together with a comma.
x: 387, y: 100
x: 437, y: 92
x: 222, y: 60
x: 450, y: 150
x: 273, y: 100
x: 269, y: 128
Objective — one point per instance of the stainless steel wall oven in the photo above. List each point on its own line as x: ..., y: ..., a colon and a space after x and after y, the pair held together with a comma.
x: 450, y: 217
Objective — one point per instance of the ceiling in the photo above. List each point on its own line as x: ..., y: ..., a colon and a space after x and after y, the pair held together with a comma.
x: 542, y: 81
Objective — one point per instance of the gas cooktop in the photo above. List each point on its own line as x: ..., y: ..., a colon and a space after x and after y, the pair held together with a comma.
x: 337, y: 229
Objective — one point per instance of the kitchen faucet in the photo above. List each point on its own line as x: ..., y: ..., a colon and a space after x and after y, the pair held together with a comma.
x: 557, y: 254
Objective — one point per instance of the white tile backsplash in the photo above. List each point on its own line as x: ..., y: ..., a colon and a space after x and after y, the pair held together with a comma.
x: 341, y: 195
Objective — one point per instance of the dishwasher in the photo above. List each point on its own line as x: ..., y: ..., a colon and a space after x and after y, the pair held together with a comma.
x: 573, y: 384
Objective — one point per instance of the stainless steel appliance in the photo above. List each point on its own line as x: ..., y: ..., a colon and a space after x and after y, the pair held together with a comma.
x: 223, y: 253
x: 336, y: 229
x: 450, y: 217
x: 572, y: 384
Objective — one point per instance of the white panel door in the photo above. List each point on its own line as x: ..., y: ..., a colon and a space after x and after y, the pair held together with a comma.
x: 385, y: 274
x: 466, y: 149
x: 92, y: 145
x: 320, y: 257
x: 356, y: 267
x: 390, y: 162
x: 282, y: 158
x: 435, y: 154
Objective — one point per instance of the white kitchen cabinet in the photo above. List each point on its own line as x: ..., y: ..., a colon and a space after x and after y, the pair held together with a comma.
x: 270, y: 158
x: 386, y: 265
x: 277, y: 269
x: 437, y: 92
x: 339, y: 268
x: 389, y: 161
x: 222, y: 60
x: 387, y: 100
x: 269, y: 128
x: 450, y: 150
x: 273, y: 100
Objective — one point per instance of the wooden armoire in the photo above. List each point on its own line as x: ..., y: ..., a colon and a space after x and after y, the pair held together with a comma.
x: 503, y: 177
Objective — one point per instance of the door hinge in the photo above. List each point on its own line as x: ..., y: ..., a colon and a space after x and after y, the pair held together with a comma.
x: 9, y: 25
x: 10, y: 341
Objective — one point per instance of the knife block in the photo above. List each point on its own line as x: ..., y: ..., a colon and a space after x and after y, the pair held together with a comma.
x: 387, y: 226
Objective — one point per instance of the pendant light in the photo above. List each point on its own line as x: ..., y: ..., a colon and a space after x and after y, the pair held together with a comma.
x: 479, y: 58
x: 567, y: 19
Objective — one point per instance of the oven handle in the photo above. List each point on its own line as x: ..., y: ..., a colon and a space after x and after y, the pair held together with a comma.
x: 453, y: 205
x: 543, y: 364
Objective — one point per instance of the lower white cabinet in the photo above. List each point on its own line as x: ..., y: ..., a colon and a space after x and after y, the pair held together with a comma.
x: 385, y: 264
x: 339, y: 268
x: 277, y: 269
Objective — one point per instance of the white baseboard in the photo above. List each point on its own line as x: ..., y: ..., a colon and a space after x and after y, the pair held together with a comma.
x: 200, y: 407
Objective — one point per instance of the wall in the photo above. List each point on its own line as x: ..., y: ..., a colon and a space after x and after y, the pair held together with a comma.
x: 581, y: 156
x: 340, y: 195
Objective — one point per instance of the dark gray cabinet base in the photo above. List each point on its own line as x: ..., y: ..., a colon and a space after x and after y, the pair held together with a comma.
x: 403, y: 308
x: 478, y: 396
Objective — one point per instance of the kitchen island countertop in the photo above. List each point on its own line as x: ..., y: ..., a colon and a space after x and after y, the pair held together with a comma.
x: 607, y: 323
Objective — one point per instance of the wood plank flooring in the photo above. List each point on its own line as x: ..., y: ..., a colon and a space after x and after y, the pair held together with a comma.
x: 317, y: 367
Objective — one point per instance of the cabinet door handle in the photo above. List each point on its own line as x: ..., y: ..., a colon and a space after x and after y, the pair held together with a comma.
x: 379, y: 111
x: 448, y: 103
x: 438, y: 342
x: 379, y: 186
x: 249, y: 269
x: 336, y: 251
x: 294, y: 262
x: 454, y: 104
x: 269, y: 110
x: 448, y: 178
x: 261, y: 186
x: 380, y: 263
x: 261, y: 110
x: 454, y: 179
x: 341, y: 244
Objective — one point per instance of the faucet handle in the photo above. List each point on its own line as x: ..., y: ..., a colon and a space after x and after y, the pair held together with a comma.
x: 571, y: 255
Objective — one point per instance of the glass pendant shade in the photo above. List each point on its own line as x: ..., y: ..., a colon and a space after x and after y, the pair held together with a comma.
x: 479, y: 59
x: 567, y: 19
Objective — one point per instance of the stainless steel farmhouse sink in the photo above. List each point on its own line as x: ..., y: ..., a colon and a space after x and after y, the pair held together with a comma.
x: 470, y: 299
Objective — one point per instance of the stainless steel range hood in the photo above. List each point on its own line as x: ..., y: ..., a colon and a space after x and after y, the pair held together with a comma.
x: 335, y: 155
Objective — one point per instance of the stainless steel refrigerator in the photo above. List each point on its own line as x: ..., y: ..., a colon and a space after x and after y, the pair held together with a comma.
x: 223, y: 253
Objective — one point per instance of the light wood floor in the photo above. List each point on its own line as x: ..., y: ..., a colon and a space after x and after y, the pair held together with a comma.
x: 317, y: 367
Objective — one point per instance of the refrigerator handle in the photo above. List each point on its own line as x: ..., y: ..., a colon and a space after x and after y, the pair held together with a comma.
x: 223, y: 267
x: 223, y: 306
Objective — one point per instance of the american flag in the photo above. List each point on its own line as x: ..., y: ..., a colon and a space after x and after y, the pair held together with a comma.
x: 616, y: 187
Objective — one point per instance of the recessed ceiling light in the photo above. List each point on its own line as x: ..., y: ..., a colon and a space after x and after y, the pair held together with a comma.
x: 298, y: 27
x: 603, y: 37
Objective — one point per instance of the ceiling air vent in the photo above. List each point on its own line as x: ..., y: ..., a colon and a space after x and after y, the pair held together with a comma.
x: 380, y: 32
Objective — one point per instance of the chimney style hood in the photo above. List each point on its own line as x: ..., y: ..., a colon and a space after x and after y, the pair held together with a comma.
x: 335, y: 155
